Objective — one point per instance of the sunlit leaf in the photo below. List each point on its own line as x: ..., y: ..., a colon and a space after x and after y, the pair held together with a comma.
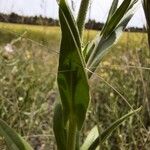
x: 92, y: 136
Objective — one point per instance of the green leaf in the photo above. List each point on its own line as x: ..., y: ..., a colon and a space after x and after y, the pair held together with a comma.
x: 117, y: 16
x: 146, y: 6
x: 109, y: 130
x: 59, y: 129
x: 72, y: 77
x: 116, y: 22
x: 105, y: 44
x: 82, y: 15
x: 13, y: 140
x: 112, y: 10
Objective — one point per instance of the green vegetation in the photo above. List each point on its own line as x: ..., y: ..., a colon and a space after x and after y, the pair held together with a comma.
x: 49, y: 36
x: 30, y: 71
x: 28, y: 88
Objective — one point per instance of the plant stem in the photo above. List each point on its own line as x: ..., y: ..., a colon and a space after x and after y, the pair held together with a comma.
x: 77, y: 140
x: 71, y: 141
x: 146, y: 6
x: 82, y: 15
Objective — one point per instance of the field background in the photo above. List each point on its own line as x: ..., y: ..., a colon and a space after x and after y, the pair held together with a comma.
x: 28, y: 89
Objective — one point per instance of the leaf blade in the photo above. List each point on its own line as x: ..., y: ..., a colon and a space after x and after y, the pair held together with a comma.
x: 112, y: 10
x: 73, y: 79
x: 110, y: 129
x: 110, y: 33
x: 58, y: 127
x: 13, y: 140
x: 92, y: 136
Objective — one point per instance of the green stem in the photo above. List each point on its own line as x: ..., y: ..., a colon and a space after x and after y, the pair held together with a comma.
x: 146, y: 6
x: 71, y: 141
x: 77, y: 140
x: 82, y: 15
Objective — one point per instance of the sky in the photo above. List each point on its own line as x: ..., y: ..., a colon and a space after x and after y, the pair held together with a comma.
x: 99, y: 9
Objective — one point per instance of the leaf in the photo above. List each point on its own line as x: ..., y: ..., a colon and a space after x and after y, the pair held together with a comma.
x: 72, y: 78
x: 82, y: 15
x: 59, y: 129
x: 110, y: 33
x: 109, y: 130
x: 13, y: 140
x: 117, y: 16
x: 105, y: 44
x: 146, y: 7
x: 92, y: 136
x: 112, y: 10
